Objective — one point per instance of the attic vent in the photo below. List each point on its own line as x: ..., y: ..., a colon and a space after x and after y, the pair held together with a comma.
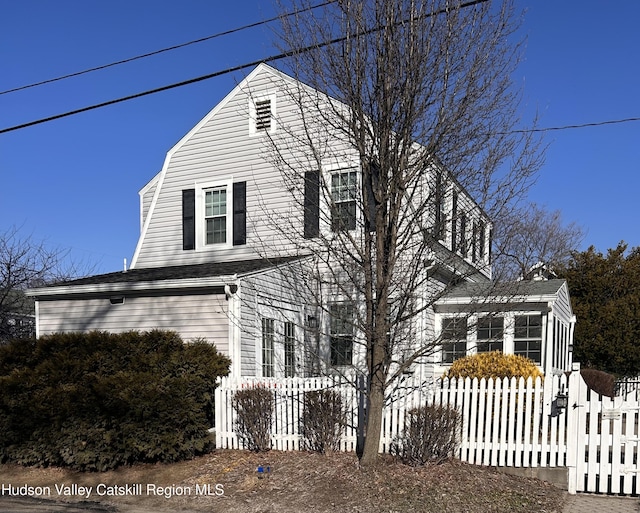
x: 263, y: 115
x: 116, y: 300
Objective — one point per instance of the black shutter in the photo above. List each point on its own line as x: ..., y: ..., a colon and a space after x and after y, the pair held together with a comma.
x: 239, y: 213
x: 454, y: 222
x: 371, y: 180
x: 311, y: 204
x: 189, y: 219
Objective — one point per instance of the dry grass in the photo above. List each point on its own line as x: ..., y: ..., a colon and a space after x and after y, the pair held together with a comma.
x: 305, y: 482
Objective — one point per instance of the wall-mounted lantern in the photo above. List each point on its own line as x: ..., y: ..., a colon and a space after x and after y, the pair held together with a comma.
x: 559, y: 404
x: 562, y: 401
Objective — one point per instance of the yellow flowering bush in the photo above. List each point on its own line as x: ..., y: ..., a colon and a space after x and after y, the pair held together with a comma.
x: 494, y: 365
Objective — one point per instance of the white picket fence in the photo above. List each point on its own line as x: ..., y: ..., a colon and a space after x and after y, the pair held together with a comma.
x: 505, y: 423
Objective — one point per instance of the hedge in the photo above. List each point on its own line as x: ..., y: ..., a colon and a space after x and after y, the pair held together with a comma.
x: 95, y: 401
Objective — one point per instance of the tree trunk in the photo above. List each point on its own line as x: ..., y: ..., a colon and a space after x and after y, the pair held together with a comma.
x: 375, y: 405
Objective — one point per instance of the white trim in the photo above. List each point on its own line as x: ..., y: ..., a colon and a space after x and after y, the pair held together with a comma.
x: 150, y: 184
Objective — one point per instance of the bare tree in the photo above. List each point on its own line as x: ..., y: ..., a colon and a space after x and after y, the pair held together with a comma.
x: 417, y: 96
x: 533, y: 237
x: 26, y: 263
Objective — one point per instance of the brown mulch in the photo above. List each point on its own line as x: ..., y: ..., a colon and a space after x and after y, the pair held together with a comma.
x: 305, y: 482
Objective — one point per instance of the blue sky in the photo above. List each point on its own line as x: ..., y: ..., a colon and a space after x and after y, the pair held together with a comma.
x: 74, y: 182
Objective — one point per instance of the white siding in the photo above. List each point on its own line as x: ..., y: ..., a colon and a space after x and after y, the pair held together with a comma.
x: 271, y: 294
x: 562, y: 305
x: 220, y: 148
x: 190, y: 315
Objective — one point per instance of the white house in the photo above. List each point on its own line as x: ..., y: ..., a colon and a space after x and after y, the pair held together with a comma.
x: 222, y: 240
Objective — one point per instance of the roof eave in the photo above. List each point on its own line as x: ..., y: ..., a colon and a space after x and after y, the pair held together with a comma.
x: 141, y: 286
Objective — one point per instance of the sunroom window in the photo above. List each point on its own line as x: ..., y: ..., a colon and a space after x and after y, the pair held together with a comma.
x: 490, y: 334
x: 528, y: 337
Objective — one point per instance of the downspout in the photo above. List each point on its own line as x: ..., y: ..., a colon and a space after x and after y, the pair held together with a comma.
x: 233, y: 295
x: 37, y: 312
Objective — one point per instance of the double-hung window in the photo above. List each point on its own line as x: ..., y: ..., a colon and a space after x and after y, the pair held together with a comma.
x: 344, y: 185
x: 341, y: 334
x: 289, y: 349
x: 454, y: 338
x: 490, y: 334
x: 215, y: 215
x: 527, y: 338
x: 268, y: 349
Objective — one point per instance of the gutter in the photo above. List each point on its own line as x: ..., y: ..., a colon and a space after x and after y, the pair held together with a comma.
x: 55, y: 292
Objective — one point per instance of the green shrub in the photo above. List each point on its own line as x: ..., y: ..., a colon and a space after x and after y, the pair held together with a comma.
x: 494, y: 365
x: 431, y: 435
x: 94, y: 401
x: 254, y: 407
x: 323, y: 420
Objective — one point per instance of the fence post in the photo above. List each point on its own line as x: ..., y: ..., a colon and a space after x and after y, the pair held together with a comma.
x: 573, y: 438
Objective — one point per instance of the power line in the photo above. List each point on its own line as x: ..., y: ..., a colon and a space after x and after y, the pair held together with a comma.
x: 163, y: 50
x: 240, y: 67
x: 571, y: 127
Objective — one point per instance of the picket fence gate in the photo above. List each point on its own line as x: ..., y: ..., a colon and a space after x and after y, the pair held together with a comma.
x: 505, y: 423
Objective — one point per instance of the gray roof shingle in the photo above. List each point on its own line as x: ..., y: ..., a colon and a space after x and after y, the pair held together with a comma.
x: 177, y: 272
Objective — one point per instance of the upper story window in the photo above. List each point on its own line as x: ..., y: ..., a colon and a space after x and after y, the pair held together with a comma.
x: 490, y: 334
x: 344, y: 185
x: 215, y: 217
x: 527, y: 337
x: 439, y: 208
x: 454, y: 338
x: 462, y: 248
x: 454, y: 221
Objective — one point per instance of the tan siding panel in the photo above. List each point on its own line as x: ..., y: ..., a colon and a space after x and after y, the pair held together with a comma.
x: 191, y: 316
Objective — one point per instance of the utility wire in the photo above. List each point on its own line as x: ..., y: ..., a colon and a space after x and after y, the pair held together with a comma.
x: 223, y: 72
x: 163, y: 50
x: 571, y: 127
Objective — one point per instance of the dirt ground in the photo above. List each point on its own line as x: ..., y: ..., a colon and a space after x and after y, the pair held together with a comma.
x: 229, y: 481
